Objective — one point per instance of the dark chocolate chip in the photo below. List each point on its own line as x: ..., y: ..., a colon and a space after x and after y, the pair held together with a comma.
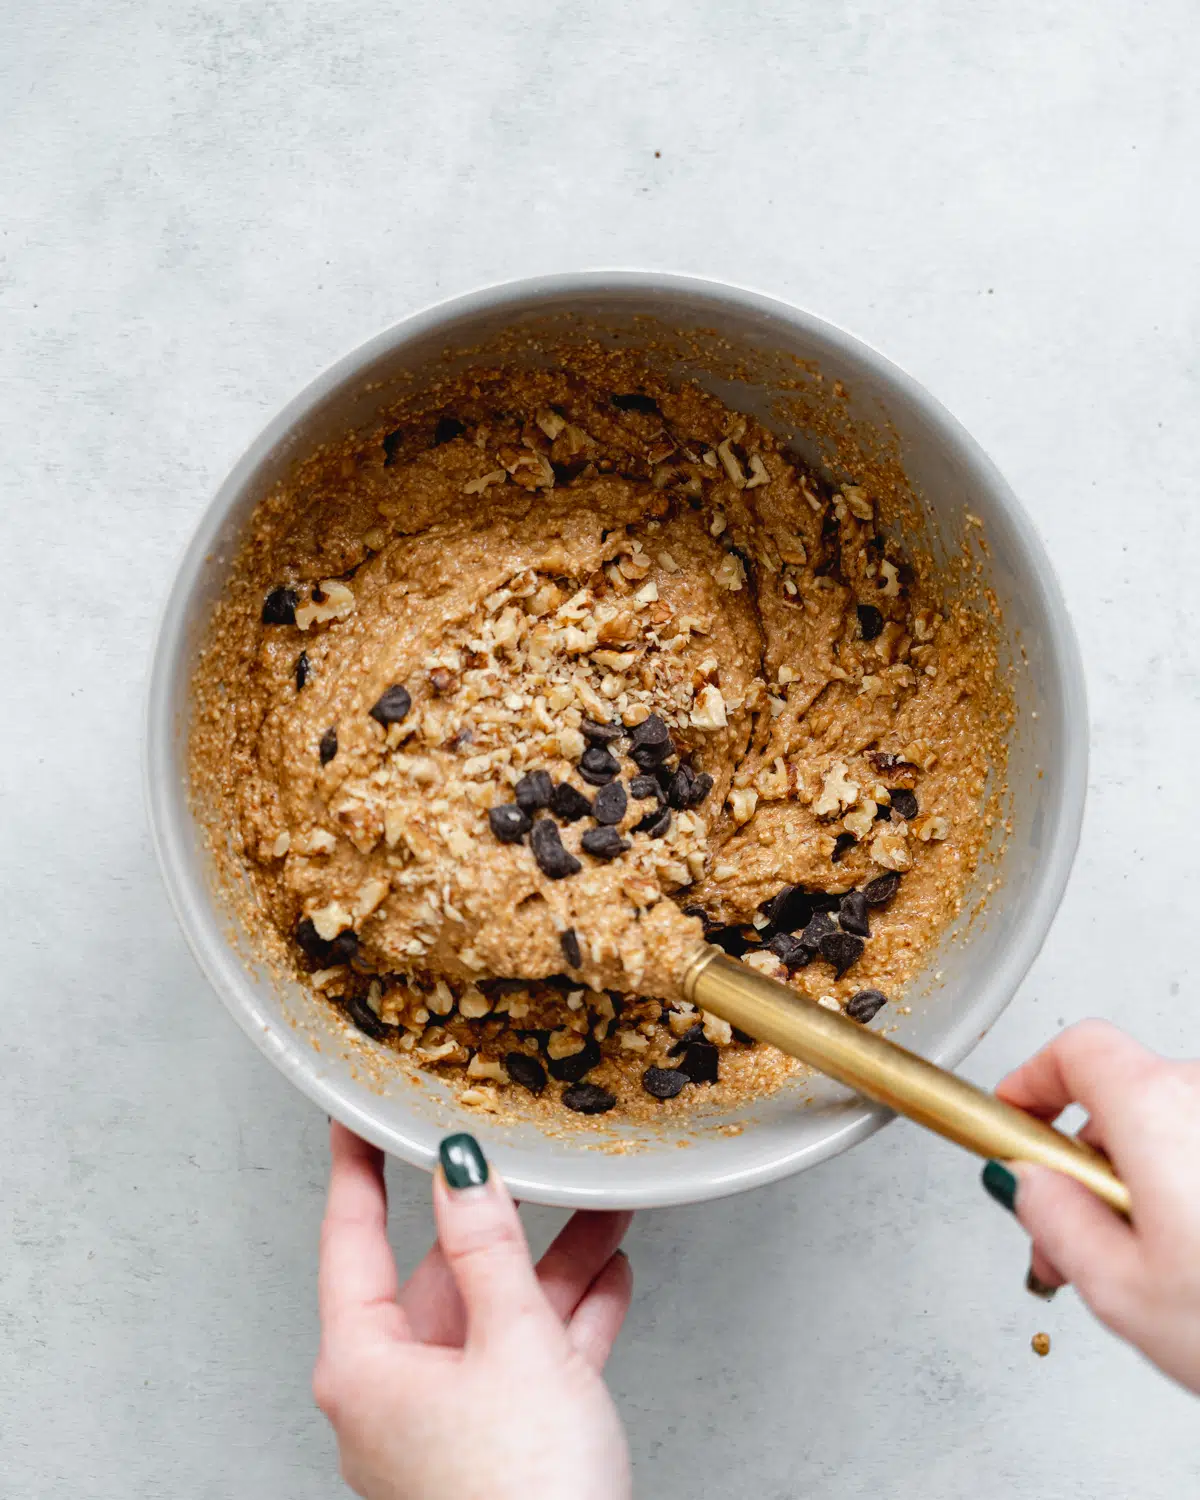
x: 509, y: 823
x: 790, y: 951
x: 852, y: 914
x: 570, y: 947
x: 655, y: 823
x: 364, y: 1017
x: 533, y: 791
x: 393, y: 706
x: 698, y: 911
x: 447, y: 429
x: 641, y: 788
x: 742, y: 1036
x: 870, y: 621
x: 701, y: 788
x: 553, y: 860
x: 841, y: 845
x: 600, y: 734
x: 841, y: 949
x: 691, y: 1035
x: 883, y: 813
x: 597, y: 766
x: 588, y: 1099
x: 789, y: 909
x: 866, y: 1005
x: 679, y: 788
x: 279, y: 607
x: 609, y: 803
x: 904, y: 803
x: 879, y: 892
x: 526, y: 1071
x: 635, y: 401
x: 820, y: 926
x: 652, y: 731
x: 392, y: 443
x: 328, y: 746
x: 571, y: 1069
x: 733, y: 940
x: 568, y: 804
x: 603, y: 843
x: 303, y: 671
x: 664, y: 1083
x: 344, y: 948
x: 310, y: 942
x: 701, y: 1062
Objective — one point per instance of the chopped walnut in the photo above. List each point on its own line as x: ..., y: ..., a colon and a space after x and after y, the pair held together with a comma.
x: 483, y: 1099
x: 889, y: 848
x: 550, y: 422
x: 331, y: 600
x: 890, y: 587
x: 281, y: 845
x: 933, y: 828
x: 716, y: 1030
x: 479, y: 1067
x: 370, y: 896
x: 730, y: 573
x: 758, y: 473
x: 742, y: 803
x: 860, y: 820
x: 330, y: 920
x: 668, y: 563
x: 709, y: 712
x: 860, y: 506
x: 766, y: 963
x: 837, y: 793
x: 633, y: 1041
x: 477, y: 486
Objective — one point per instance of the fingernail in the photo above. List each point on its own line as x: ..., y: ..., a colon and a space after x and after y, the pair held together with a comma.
x: 1039, y: 1288
x: 1001, y: 1184
x: 463, y: 1163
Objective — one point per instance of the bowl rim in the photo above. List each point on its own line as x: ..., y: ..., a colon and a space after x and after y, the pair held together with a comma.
x: 546, y: 1184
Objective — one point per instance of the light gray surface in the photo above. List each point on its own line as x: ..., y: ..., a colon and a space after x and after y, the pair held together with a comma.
x: 199, y: 207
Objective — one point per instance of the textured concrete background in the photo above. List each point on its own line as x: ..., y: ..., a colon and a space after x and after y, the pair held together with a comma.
x: 201, y: 205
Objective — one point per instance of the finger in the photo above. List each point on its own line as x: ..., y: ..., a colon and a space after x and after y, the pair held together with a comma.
x: 581, y: 1250
x: 1044, y: 1278
x: 485, y: 1247
x: 357, y: 1272
x: 1090, y: 1064
x: 1079, y: 1236
x: 597, y: 1320
x: 431, y: 1303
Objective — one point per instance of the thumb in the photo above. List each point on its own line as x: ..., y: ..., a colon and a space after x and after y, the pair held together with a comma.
x: 1094, y: 1249
x: 484, y: 1245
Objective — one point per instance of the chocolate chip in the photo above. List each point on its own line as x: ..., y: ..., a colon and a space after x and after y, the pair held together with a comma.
x: 310, y: 942
x: 392, y: 443
x: 533, y: 791
x: 364, y: 1017
x: 552, y: 859
x: 789, y: 909
x: 526, y: 1071
x: 742, y: 1036
x: 790, y: 951
x: 701, y: 789
x: 328, y: 746
x: 303, y: 670
x: 852, y: 914
x: 652, y: 736
x: 841, y: 844
x: 447, y: 429
x: 570, y: 947
x: 664, y: 1083
x: 866, y: 1005
x: 344, y: 948
x: 820, y: 926
x: 883, y: 813
x: 600, y: 734
x: 393, y: 706
x: 691, y: 1035
x: 597, y: 766
x: 568, y: 804
x: 733, y: 940
x: 279, y: 607
x: 870, y: 621
x: 655, y: 823
x: 588, y: 1099
x: 685, y: 789
x: 609, y: 803
x: 841, y: 949
x: 635, y: 401
x: 509, y: 823
x: 641, y: 788
x: 904, y: 802
x: 879, y: 892
x: 604, y: 843
x: 701, y: 1062
x: 571, y: 1069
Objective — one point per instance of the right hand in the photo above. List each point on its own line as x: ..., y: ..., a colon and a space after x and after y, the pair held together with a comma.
x: 1141, y: 1279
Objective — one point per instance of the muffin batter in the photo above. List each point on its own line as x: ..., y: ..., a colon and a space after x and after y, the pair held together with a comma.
x: 508, y: 704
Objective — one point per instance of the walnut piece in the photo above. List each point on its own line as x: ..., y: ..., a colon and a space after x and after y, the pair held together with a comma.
x: 837, y: 793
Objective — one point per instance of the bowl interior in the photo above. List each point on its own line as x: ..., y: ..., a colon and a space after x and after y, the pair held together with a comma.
x: 780, y: 365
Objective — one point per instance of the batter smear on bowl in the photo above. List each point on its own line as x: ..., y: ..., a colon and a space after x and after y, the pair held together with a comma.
x: 509, y: 703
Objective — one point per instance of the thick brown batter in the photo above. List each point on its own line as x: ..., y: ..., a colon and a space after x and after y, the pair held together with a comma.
x: 535, y: 684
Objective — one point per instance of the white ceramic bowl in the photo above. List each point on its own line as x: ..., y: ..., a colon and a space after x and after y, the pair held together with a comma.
x: 979, y: 968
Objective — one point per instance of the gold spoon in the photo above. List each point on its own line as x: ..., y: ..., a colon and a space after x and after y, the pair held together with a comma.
x: 890, y: 1074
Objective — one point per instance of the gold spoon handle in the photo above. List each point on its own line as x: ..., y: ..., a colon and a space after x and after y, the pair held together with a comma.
x: 890, y: 1074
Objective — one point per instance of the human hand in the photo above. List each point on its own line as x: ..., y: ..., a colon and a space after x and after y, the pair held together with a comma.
x: 1141, y: 1279
x: 479, y: 1377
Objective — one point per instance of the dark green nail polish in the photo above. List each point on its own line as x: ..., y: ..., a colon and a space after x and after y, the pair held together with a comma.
x: 1036, y: 1287
x: 463, y: 1163
x: 1001, y: 1184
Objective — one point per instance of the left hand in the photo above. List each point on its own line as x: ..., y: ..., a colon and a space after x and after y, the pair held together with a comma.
x: 480, y: 1377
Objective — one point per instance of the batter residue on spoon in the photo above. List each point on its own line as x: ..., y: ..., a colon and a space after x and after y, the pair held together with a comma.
x: 506, y: 706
